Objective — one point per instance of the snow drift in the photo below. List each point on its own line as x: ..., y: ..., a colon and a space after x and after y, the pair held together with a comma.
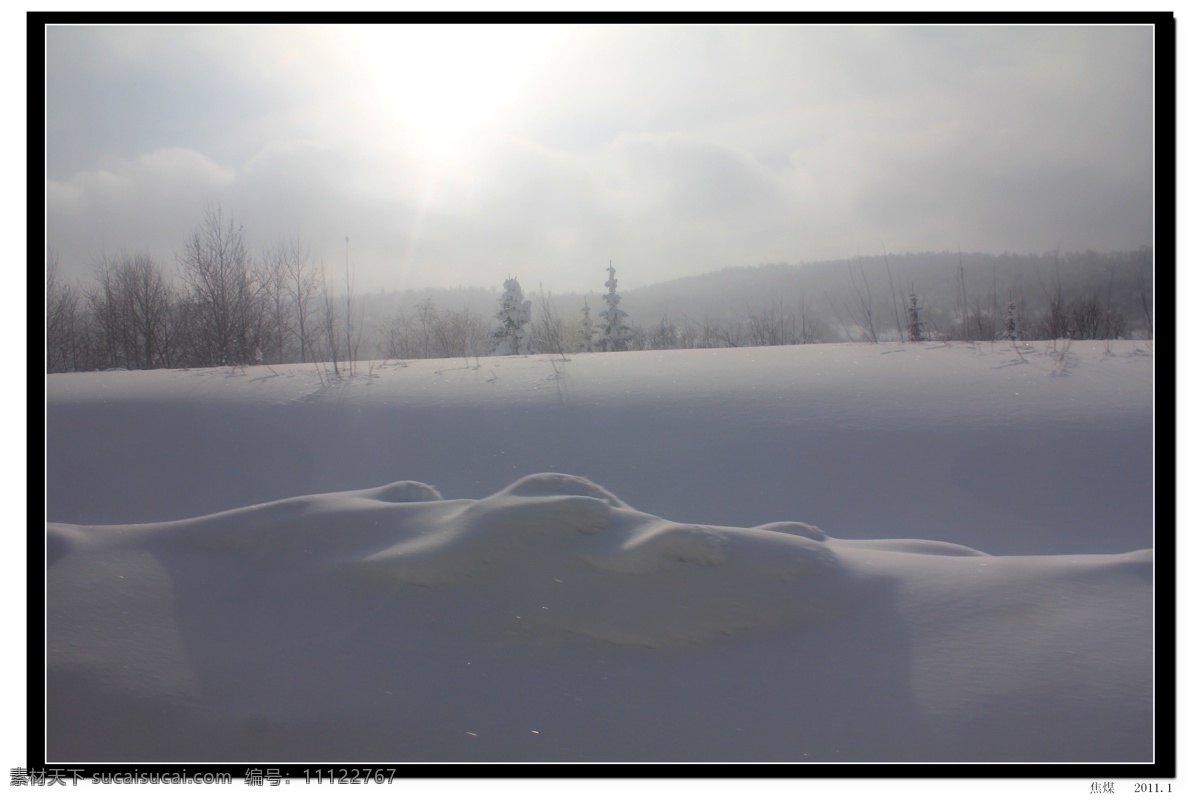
x: 301, y: 629
x: 551, y: 620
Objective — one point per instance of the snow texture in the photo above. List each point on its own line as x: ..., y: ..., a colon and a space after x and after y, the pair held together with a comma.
x: 552, y: 618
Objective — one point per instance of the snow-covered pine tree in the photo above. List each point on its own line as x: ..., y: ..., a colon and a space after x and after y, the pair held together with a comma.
x: 511, y: 336
x: 587, y: 329
x: 915, y: 327
x: 1010, y: 324
x: 615, y: 332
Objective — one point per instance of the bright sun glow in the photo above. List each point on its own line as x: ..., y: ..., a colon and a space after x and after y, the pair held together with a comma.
x: 447, y: 81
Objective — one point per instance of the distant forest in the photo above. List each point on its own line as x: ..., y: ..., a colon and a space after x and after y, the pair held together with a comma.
x: 223, y: 306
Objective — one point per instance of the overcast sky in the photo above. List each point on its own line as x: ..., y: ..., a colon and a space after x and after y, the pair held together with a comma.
x: 460, y: 155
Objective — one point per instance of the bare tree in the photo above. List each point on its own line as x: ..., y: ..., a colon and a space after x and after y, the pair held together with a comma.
x: 109, y: 317
x: 303, y: 288
x: 459, y: 334
x: 396, y: 337
x: 811, y: 326
x: 664, y: 335
x: 895, y: 305
x: 862, y: 310
x: 277, y: 296
x: 1054, y: 323
x: 427, y: 322
x: 548, y: 329
x: 711, y: 335
x: 638, y: 339
x: 152, y: 296
x: 731, y: 335
x: 328, y: 349
x: 689, y: 337
x: 771, y: 326
x: 353, y: 332
x: 1147, y: 302
x: 65, y: 330
x: 1089, y: 319
x: 705, y: 334
x: 130, y: 307
x: 963, y: 310
x: 217, y: 273
x: 981, y: 324
x: 433, y: 333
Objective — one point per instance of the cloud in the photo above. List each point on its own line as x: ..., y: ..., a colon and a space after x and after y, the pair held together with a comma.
x: 670, y: 149
x: 142, y: 203
x: 690, y: 178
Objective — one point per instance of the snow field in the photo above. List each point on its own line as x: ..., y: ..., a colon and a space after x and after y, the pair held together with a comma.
x: 221, y: 587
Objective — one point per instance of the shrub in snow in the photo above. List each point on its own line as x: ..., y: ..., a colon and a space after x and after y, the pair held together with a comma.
x: 511, y: 336
x: 616, y: 333
x: 1010, y: 324
x: 915, y: 326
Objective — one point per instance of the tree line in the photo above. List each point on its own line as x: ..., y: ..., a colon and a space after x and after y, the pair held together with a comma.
x: 226, y: 306
x: 1055, y: 296
x: 1078, y: 296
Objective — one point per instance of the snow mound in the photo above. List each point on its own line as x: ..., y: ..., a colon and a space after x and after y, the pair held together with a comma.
x: 390, y: 623
x: 550, y: 554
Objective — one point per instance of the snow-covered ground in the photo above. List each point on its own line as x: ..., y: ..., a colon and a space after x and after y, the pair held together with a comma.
x: 825, y: 553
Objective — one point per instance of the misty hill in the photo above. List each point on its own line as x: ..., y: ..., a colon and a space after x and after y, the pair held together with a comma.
x: 1029, y: 280
x: 833, y: 296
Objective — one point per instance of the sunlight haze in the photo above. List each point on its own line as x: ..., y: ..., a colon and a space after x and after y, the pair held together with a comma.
x: 458, y: 155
